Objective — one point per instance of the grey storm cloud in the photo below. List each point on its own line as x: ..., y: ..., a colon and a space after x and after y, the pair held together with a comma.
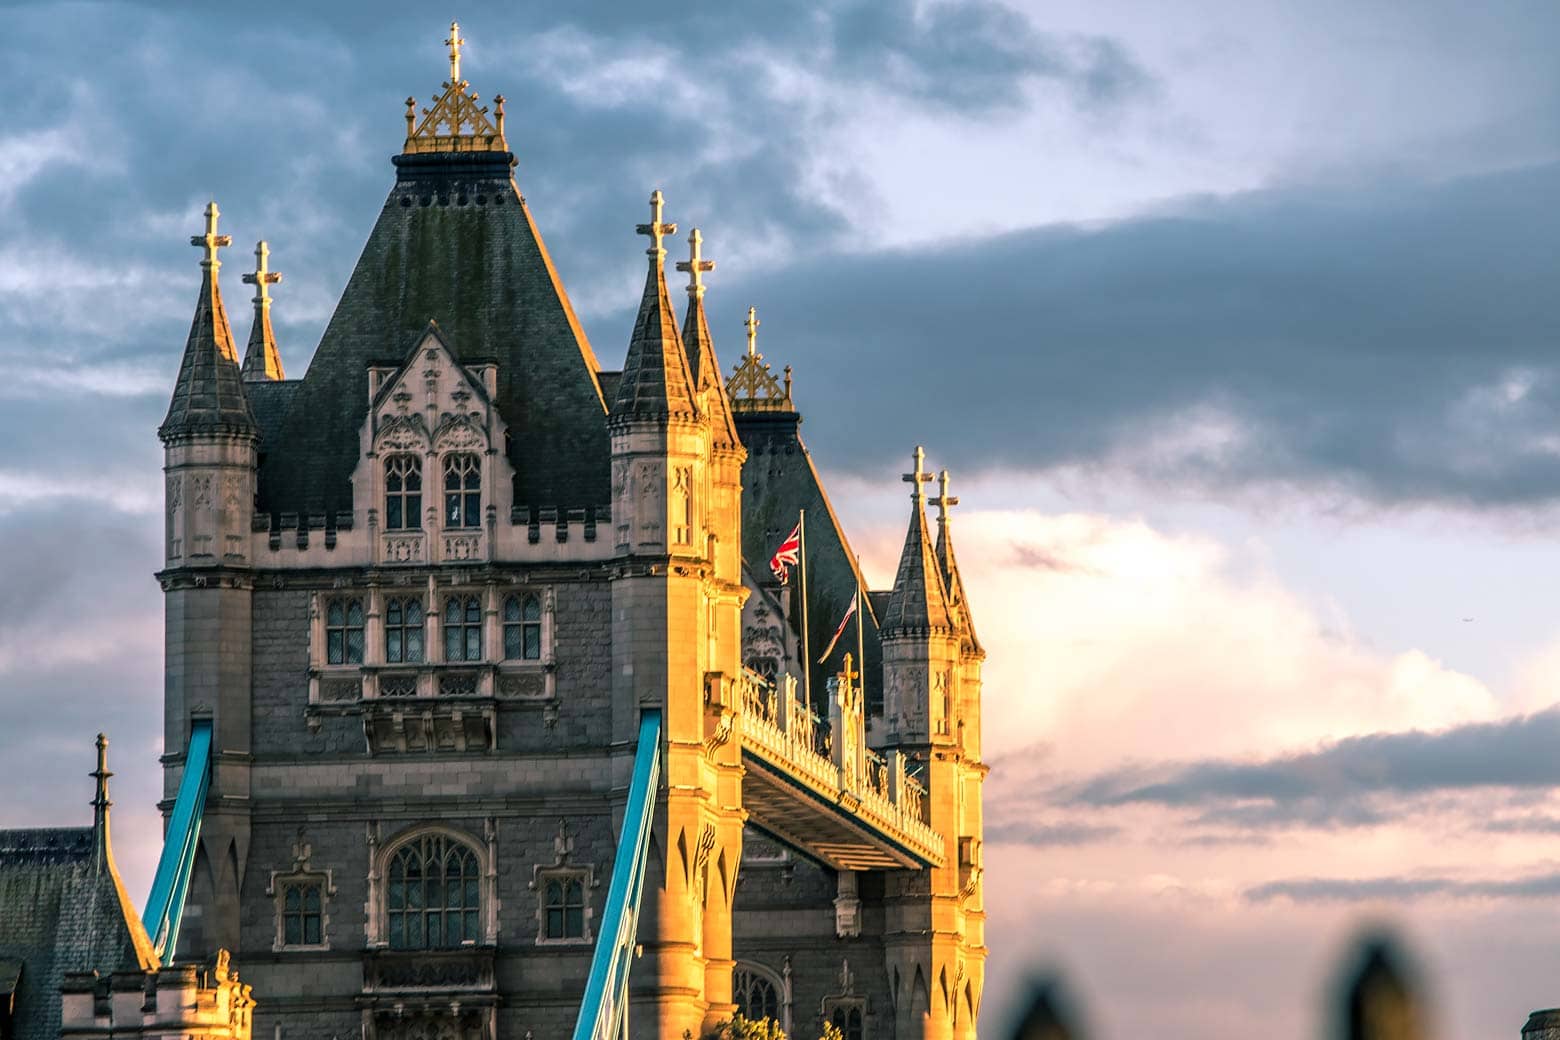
x: 1040, y: 835
x: 1398, y: 889
x: 1341, y: 784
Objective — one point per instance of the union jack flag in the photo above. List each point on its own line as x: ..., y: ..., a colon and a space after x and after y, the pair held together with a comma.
x: 787, y: 555
x: 850, y: 612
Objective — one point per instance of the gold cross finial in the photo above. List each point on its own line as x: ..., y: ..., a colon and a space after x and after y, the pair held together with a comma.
x: 919, y: 476
x: 211, y: 241
x: 752, y: 324
x: 943, y: 499
x: 847, y: 675
x: 454, y: 44
x: 656, y: 229
x: 695, y: 265
x: 263, y: 277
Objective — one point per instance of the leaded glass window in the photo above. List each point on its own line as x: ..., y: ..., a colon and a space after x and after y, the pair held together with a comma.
x: 463, y: 628
x: 756, y: 996
x: 522, y: 628
x: 404, y: 630
x: 462, y: 491
x: 403, y: 493
x: 303, y: 913
x: 344, y: 631
x: 433, y: 898
x: 563, y: 906
x: 847, y: 1019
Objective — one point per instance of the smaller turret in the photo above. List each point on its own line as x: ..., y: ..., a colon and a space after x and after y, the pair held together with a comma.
x: 209, y: 436
x: 262, y: 361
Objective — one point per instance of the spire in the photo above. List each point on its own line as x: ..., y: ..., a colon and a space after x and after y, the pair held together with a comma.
x: 753, y: 386
x: 100, y: 803
x: 918, y: 603
x: 455, y: 123
x: 209, y: 394
x: 957, y: 602
x: 657, y: 382
x: 262, y: 361
x: 700, y: 347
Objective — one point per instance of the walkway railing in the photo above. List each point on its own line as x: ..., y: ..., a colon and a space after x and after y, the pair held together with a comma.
x: 783, y: 731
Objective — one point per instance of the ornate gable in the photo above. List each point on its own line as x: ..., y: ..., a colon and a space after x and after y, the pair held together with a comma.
x: 431, y: 460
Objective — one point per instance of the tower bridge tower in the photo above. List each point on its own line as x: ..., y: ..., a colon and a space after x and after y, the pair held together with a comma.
x: 425, y: 594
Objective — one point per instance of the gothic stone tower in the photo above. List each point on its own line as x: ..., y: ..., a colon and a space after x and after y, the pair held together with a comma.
x: 424, y: 594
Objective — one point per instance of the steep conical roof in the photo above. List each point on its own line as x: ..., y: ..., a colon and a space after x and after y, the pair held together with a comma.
x: 657, y: 382
x: 709, y: 387
x: 209, y: 394
x: 958, y: 604
x: 262, y: 361
x: 918, y: 604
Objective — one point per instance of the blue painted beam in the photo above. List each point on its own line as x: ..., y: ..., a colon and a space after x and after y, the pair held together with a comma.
x: 171, y: 883
x: 604, y: 1011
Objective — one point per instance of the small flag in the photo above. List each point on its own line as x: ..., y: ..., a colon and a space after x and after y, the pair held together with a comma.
x: 850, y: 612
x: 788, y: 553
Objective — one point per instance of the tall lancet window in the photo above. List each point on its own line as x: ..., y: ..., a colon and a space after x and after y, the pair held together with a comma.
x: 404, y: 630
x: 403, y: 492
x: 463, y: 628
x: 462, y: 491
x: 522, y: 628
x: 344, y: 631
x: 433, y: 897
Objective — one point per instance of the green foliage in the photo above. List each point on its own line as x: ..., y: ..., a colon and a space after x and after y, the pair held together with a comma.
x: 740, y: 1028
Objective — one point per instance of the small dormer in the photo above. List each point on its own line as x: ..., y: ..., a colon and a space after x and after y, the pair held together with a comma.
x: 432, y: 477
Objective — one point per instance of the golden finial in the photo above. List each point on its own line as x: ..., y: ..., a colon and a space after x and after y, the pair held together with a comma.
x: 455, y: 123
x: 454, y: 44
x: 752, y: 324
x: 847, y: 674
x: 919, y: 476
x: 943, y: 500
x: 656, y: 229
x: 211, y: 241
x: 263, y: 277
x: 695, y: 265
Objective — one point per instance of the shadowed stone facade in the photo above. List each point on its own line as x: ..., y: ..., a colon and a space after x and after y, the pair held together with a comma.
x: 423, y: 594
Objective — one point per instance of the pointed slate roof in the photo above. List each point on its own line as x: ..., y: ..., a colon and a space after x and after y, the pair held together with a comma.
x: 208, y: 396
x: 918, y: 604
x: 657, y: 383
x: 63, y: 909
x: 262, y: 361
x: 709, y: 387
x: 958, y: 603
x: 455, y: 242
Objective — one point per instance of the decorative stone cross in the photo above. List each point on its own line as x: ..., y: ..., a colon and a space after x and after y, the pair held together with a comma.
x: 454, y: 43
x: 696, y: 265
x: 752, y: 324
x: 943, y: 500
x: 263, y: 277
x: 656, y: 229
x: 211, y: 241
x: 919, y: 477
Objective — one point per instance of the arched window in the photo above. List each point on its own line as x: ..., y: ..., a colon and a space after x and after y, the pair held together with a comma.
x: 462, y: 491
x: 433, y: 899
x: 403, y: 493
x: 522, y: 629
x: 404, y: 630
x: 563, y: 906
x: 756, y: 994
x: 344, y: 631
x: 463, y: 628
x: 847, y: 1019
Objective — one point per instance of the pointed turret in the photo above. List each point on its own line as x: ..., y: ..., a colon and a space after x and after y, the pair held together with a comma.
x: 709, y: 388
x: 262, y: 361
x: 918, y: 604
x: 209, y: 396
x: 958, y: 604
x: 657, y: 383
x: 126, y: 925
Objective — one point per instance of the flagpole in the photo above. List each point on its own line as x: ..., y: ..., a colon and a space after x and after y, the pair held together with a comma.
x: 861, y: 646
x: 801, y: 553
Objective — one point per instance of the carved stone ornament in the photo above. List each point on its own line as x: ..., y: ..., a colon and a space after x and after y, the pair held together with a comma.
x: 401, y: 432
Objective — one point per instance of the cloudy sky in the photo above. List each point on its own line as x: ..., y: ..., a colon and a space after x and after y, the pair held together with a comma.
x: 1236, y: 324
